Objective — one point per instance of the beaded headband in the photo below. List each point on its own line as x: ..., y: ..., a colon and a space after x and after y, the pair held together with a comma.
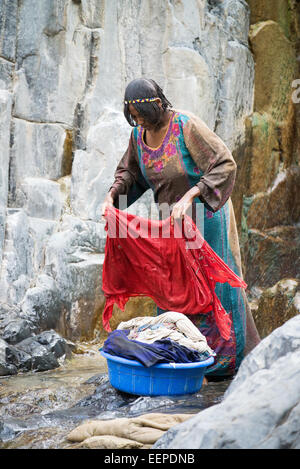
x: 142, y: 100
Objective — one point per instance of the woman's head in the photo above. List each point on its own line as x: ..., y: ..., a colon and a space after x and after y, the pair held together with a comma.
x: 149, y: 111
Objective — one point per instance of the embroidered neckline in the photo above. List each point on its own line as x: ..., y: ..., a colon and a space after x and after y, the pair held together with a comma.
x: 166, y: 136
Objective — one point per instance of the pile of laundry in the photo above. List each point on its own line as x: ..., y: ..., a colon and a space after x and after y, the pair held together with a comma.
x: 170, y: 337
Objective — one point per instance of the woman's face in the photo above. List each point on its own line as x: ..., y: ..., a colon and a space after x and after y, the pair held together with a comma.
x: 140, y: 120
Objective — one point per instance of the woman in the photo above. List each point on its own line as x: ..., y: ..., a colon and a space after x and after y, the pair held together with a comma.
x: 185, y: 164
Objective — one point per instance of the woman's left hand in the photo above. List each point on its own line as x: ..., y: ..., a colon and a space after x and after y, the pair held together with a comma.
x: 182, y: 206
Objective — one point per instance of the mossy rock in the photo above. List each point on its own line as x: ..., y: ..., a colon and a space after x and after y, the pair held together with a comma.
x: 277, y: 305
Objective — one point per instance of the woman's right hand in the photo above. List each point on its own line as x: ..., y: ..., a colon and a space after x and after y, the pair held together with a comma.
x: 108, y: 202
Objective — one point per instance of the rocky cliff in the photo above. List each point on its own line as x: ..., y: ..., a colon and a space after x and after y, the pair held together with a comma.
x: 64, y: 65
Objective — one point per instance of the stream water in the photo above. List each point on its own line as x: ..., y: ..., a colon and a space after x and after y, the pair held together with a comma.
x: 38, y: 410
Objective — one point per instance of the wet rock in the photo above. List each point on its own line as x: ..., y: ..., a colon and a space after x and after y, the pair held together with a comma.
x: 42, y: 358
x: 42, y: 304
x: 106, y: 397
x: 8, y: 359
x: 261, y: 405
x: 37, y: 353
x: 11, y: 428
x: 17, y: 330
x: 55, y: 343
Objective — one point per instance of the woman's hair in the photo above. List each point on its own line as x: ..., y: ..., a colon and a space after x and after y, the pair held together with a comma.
x: 142, y: 88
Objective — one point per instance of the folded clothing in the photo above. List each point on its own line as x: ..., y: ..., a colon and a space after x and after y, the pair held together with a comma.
x: 172, y: 325
x: 160, y: 351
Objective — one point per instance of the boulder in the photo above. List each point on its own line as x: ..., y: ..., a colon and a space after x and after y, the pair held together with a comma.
x: 8, y: 359
x: 260, y: 409
x: 276, y: 305
x: 273, y: 254
x: 17, y: 330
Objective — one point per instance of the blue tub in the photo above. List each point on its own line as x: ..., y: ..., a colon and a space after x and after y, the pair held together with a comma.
x: 159, y: 380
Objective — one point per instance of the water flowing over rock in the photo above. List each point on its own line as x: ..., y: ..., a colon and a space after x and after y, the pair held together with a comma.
x: 261, y: 407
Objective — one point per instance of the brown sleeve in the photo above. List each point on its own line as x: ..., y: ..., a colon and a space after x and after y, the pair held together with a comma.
x: 214, y: 159
x: 127, y: 171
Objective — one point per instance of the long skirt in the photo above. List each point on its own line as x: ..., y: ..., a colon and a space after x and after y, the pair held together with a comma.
x: 221, y: 233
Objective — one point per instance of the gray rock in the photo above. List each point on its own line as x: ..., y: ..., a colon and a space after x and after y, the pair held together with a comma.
x: 17, y: 269
x: 42, y: 358
x: 17, y: 330
x: 55, y: 343
x: 8, y: 359
x: 5, y: 118
x: 41, y: 352
x: 40, y: 198
x: 261, y: 406
x: 6, y: 74
x: 52, y: 61
x: 8, y: 28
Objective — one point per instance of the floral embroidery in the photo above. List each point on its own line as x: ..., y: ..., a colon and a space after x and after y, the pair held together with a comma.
x: 170, y: 149
x: 176, y: 129
x: 157, y: 158
x: 146, y: 158
x: 196, y: 170
x: 209, y: 214
x: 158, y: 166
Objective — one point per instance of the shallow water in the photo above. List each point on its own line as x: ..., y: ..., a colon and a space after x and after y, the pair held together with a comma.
x: 38, y: 410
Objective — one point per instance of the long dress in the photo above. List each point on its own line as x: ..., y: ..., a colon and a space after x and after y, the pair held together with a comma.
x: 191, y: 154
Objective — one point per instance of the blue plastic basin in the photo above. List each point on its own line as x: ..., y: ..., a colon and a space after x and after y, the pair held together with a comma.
x: 159, y: 380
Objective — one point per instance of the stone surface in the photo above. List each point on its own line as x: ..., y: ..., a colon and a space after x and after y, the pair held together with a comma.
x: 17, y: 330
x: 5, y: 118
x: 276, y: 305
x: 275, y: 68
x: 40, y: 198
x: 41, y: 352
x: 281, y: 11
x: 8, y: 28
x: 273, y: 254
x: 260, y: 407
x: 16, y: 268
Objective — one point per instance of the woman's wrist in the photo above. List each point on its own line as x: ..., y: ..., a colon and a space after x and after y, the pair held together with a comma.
x: 194, y: 192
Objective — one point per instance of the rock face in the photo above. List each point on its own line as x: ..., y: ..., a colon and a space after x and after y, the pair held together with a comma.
x: 266, y: 199
x: 64, y: 65
x: 261, y: 407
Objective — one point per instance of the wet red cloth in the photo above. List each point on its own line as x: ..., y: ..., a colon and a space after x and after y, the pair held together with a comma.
x: 178, y: 272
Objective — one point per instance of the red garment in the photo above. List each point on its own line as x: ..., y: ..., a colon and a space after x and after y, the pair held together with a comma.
x: 178, y: 272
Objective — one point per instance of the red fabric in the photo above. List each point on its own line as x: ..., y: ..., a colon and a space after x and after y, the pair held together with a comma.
x: 178, y: 272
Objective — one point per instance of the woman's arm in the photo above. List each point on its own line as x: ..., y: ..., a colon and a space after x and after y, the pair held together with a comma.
x: 214, y: 159
x: 126, y: 175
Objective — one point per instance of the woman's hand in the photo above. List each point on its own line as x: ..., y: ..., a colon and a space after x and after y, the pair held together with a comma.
x: 108, y: 202
x: 182, y: 206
